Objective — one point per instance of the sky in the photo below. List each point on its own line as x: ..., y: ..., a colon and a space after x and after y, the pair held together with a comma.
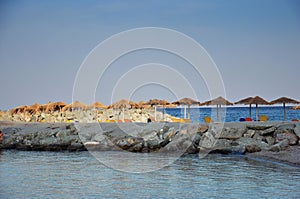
x: 255, y: 45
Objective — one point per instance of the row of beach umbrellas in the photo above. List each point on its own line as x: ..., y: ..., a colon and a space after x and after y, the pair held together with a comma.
x: 127, y: 104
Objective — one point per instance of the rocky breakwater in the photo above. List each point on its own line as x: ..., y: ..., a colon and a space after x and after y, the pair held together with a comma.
x: 153, y: 137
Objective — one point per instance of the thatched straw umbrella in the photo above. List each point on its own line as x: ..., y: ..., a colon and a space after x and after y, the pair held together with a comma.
x: 284, y: 100
x: 143, y: 105
x: 18, y: 109
x: 253, y: 100
x: 187, y: 102
x: 121, y: 105
x: 217, y: 101
x: 75, y: 105
x: 156, y: 103
x: 33, y: 108
x: 55, y: 106
x: 96, y: 105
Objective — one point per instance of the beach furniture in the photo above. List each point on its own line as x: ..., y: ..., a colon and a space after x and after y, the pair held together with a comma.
x: 183, y: 120
x: 295, y: 120
x: 242, y: 119
x: 248, y: 119
x: 263, y: 118
x: 208, y: 119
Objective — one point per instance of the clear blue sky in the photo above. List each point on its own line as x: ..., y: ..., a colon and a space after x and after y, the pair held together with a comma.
x: 255, y: 44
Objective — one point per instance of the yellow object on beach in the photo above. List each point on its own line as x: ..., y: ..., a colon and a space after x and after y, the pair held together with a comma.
x: 110, y: 121
x: 182, y: 120
x: 263, y: 118
x: 208, y: 119
x: 174, y: 119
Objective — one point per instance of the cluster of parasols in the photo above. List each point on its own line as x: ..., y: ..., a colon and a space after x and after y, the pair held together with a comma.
x: 126, y: 104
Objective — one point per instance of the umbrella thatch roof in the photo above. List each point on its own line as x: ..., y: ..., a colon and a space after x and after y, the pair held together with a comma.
x: 157, y: 102
x: 55, y: 106
x: 143, y: 104
x: 75, y: 105
x: 33, y: 108
x: 218, y: 101
x: 253, y: 100
x: 121, y: 104
x: 285, y: 100
x: 186, y: 101
x: 96, y: 105
x: 18, y: 109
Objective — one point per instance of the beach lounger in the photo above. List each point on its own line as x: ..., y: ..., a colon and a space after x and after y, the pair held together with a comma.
x: 295, y: 120
x: 242, y: 119
x: 263, y: 118
x: 248, y: 119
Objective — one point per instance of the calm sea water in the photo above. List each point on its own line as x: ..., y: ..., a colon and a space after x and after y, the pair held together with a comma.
x: 79, y: 175
x: 233, y: 114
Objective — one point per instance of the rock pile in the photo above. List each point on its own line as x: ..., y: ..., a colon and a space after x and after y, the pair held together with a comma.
x: 153, y: 137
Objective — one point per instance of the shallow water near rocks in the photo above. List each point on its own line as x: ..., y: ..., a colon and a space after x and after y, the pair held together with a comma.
x: 26, y: 174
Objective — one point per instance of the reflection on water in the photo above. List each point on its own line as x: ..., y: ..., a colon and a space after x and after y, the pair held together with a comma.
x: 68, y: 175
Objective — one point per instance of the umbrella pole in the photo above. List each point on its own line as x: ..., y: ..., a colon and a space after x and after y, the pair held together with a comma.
x: 184, y: 116
x: 217, y: 112
x: 163, y: 113
x: 284, y: 112
x: 256, y: 112
x: 189, y: 112
x: 155, y: 113
x: 250, y: 109
x: 123, y: 114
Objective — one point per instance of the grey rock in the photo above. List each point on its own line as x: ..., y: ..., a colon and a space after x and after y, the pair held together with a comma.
x: 232, y: 133
x: 259, y: 126
x: 249, y: 133
x: 268, y: 131
x: 287, y: 134
x: 297, y: 130
x: 270, y: 140
x: 286, y: 126
x: 252, y: 143
x: 279, y: 146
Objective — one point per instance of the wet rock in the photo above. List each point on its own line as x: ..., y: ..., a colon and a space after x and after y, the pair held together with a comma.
x: 279, y: 146
x: 259, y: 127
x: 287, y: 134
x: 249, y: 133
x: 286, y: 126
x: 252, y: 148
x: 268, y: 131
x: 270, y: 140
x: 252, y: 144
x: 297, y: 130
x: 232, y: 133
x: 207, y: 141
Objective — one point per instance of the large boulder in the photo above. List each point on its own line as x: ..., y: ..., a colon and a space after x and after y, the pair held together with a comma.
x: 232, y: 133
x: 287, y: 134
x: 268, y: 131
x: 251, y: 144
x: 259, y: 127
x: 279, y: 146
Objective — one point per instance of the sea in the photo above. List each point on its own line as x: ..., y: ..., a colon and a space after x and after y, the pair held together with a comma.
x: 233, y: 114
x: 27, y: 174
x: 33, y: 174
